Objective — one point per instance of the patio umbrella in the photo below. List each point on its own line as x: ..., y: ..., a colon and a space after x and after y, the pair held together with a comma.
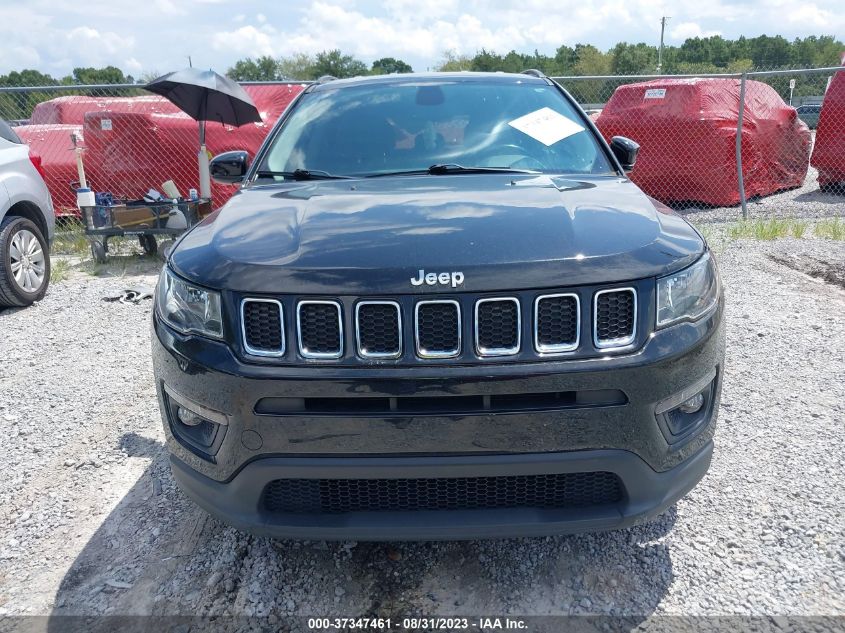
x: 206, y: 96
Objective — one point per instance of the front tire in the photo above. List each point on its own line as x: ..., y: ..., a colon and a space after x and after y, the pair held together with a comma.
x: 24, y: 263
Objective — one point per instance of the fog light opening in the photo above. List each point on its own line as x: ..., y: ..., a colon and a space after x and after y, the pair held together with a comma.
x: 188, y: 417
x: 693, y: 405
x: 197, y: 427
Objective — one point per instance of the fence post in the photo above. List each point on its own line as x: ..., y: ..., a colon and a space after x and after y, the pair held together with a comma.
x: 740, y: 178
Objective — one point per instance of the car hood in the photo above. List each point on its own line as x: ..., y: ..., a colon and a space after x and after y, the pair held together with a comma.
x: 371, y: 236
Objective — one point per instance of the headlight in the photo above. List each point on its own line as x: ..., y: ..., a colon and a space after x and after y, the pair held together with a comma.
x: 689, y: 294
x: 188, y: 308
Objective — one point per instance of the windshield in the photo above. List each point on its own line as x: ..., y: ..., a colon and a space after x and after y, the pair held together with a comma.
x: 377, y: 129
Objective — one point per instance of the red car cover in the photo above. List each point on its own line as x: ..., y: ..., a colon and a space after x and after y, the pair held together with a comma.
x: 72, y: 109
x: 829, y: 151
x: 58, y: 160
x: 129, y: 153
x: 687, y: 132
x: 133, y: 144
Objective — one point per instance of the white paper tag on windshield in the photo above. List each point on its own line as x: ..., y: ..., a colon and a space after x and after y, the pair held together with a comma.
x: 546, y: 126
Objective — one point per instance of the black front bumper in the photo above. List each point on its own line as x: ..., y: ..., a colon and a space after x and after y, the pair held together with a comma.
x: 239, y: 502
x: 251, y: 450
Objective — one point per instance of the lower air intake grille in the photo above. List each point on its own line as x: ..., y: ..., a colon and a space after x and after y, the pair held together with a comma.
x: 556, y: 325
x: 615, y: 317
x: 262, y: 327
x: 338, y: 496
x: 438, y: 328
x: 320, y: 329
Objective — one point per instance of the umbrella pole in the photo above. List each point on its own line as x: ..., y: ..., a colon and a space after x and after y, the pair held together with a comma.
x: 202, y: 159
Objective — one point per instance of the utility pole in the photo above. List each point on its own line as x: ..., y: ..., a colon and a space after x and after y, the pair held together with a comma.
x: 660, y: 50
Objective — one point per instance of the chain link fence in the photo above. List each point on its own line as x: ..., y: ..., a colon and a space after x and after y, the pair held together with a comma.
x: 710, y: 141
x: 130, y: 140
x: 707, y: 141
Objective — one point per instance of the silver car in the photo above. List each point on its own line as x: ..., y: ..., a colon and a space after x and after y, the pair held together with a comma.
x: 27, y: 223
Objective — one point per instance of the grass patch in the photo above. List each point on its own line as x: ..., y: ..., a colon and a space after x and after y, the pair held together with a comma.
x: 769, y: 229
x: 798, y: 227
x: 71, y: 240
x: 832, y: 229
x: 59, y: 270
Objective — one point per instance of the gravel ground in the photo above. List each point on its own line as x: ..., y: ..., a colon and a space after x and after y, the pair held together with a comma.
x: 806, y: 201
x: 92, y: 523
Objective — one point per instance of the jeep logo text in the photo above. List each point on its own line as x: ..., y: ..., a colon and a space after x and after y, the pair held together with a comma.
x: 432, y: 279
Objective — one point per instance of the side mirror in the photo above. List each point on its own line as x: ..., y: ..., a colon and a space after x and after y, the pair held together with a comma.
x: 229, y: 168
x: 625, y: 151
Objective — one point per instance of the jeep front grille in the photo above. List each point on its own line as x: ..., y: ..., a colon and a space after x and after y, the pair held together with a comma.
x: 498, y: 326
x: 413, y: 329
x: 438, y: 328
x: 263, y: 327
x: 557, y: 323
x: 615, y: 317
x: 378, y: 327
x: 341, y: 496
x: 320, y: 329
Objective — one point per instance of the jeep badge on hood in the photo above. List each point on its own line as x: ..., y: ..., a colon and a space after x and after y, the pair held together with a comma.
x: 433, y: 279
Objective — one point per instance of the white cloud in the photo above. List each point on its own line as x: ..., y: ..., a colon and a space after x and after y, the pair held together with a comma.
x: 247, y: 40
x: 132, y: 66
x: 168, y: 7
x: 686, y: 30
x: 814, y: 17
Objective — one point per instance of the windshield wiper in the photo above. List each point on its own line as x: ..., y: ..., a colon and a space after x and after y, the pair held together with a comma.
x: 454, y: 168
x: 440, y: 169
x: 301, y: 174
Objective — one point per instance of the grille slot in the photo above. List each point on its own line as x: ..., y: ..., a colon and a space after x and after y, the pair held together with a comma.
x: 557, y: 323
x: 498, y: 326
x: 378, y: 326
x: 438, y: 328
x: 320, y: 329
x: 340, y: 496
x: 262, y: 325
x: 615, y: 317
x: 439, y: 405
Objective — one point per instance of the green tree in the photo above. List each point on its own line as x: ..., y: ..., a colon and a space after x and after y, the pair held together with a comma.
x: 263, y: 68
x: 389, y: 66
x: 337, y: 64
x: 107, y: 75
x: 770, y: 52
x: 591, y: 61
x: 634, y: 59
x: 564, y: 60
x: 297, y: 66
x: 451, y: 61
x: 27, y: 77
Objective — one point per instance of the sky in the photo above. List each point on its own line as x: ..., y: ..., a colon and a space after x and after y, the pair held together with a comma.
x: 157, y: 36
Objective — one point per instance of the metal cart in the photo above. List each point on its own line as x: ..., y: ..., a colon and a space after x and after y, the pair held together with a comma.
x: 142, y: 219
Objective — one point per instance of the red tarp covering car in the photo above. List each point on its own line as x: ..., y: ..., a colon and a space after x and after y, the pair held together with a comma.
x: 58, y: 160
x: 130, y: 152
x: 72, y: 109
x: 829, y: 150
x: 133, y: 144
x: 687, y: 132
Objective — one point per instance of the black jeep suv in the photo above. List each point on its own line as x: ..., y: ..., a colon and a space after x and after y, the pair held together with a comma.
x: 437, y: 308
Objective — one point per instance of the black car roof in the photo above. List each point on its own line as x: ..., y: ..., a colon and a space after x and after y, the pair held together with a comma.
x: 454, y: 77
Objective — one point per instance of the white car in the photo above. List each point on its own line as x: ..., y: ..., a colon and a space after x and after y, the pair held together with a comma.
x: 27, y: 223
